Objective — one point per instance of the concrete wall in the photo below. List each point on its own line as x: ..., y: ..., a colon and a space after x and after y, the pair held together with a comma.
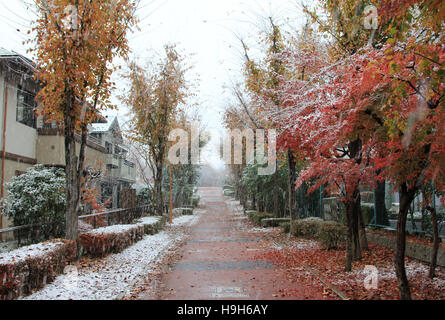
x: 413, y: 250
x: 50, y: 149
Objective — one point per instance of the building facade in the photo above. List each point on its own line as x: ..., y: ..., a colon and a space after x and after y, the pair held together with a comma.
x: 26, y: 140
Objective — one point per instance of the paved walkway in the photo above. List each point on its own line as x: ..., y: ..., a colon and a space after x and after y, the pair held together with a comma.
x: 218, y: 260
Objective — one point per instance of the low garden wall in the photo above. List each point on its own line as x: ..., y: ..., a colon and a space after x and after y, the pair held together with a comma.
x: 416, y: 251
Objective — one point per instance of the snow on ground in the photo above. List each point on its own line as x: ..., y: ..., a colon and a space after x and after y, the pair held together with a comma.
x: 114, y: 276
x: 414, y: 270
x: 304, y: 244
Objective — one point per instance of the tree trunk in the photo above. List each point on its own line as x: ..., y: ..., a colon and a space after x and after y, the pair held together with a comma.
x: 353, y: 247
x: 361, y: 224
x: 72, y: 192
x: 436, y: 239
x: 253, y: 202
x: 276, y: 203
x: 380, y: 208
x: 292, y: 177
x: 260, y: 200
x: 358, y: 233
x: 406, y: 197
x: 158, y: 199
x: 348, y: 263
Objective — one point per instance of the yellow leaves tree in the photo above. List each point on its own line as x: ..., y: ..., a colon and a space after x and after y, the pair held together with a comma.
x: 75, y: 45
x: 155, y: 96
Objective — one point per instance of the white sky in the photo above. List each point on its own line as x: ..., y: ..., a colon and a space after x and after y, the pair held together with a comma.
x: 204, y: 29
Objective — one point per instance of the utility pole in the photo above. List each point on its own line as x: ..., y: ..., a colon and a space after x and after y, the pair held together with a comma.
x: 171, y: 198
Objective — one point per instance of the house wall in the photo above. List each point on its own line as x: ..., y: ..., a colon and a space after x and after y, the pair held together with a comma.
x: 50, y: 149
x: 20, y: 148
x: 20, y: 139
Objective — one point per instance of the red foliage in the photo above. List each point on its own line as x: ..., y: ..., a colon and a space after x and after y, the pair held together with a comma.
x: 323, y: 268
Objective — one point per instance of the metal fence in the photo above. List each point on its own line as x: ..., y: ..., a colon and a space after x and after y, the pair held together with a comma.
x: 32, y: 233
x: 419, y: 219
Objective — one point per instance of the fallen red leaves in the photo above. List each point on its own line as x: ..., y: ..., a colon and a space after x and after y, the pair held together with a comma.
x: 324, y: 271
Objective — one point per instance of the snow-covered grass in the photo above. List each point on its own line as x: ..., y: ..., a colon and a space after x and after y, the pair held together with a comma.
x: 114, y: 276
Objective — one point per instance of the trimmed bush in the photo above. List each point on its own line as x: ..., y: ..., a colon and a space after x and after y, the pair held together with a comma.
x: 306, y: 228
x: 229, y: 193
x: 187, y: 211
x: 256, y: 217
x: 195, y: 200
x: 102, y: 241
x: 285, y: 226
x: 38, y: 197
x: 332, y: 235
x: 33, y: 266
x: 273, y: 222
x: 152, y: 225
x: 182, y: 211
x: 177, y: 212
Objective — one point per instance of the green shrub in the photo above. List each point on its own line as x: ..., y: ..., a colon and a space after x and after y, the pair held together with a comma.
x: 256, y: 217
x: 306, y: 228
x: 285, y: 226
x: 332, y: 234
x: 187, y: 211
x: 195, y: 200
x: 273, y: 222
x: 38, y: 196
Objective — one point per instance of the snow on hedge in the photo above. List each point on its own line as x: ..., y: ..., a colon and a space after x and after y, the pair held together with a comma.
x: 29, y: 252
x: 114, y: 276
x: 117, y: 228
x: 149, y: 220
x: 109, y: 278
x: 33, y: 266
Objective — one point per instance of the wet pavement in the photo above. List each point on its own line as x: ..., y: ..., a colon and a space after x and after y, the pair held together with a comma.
x: 220, y: 259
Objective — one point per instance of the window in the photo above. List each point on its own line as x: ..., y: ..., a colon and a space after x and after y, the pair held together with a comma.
x: 19, y: 173
x: 109, y: 147
x: 26, y: 106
